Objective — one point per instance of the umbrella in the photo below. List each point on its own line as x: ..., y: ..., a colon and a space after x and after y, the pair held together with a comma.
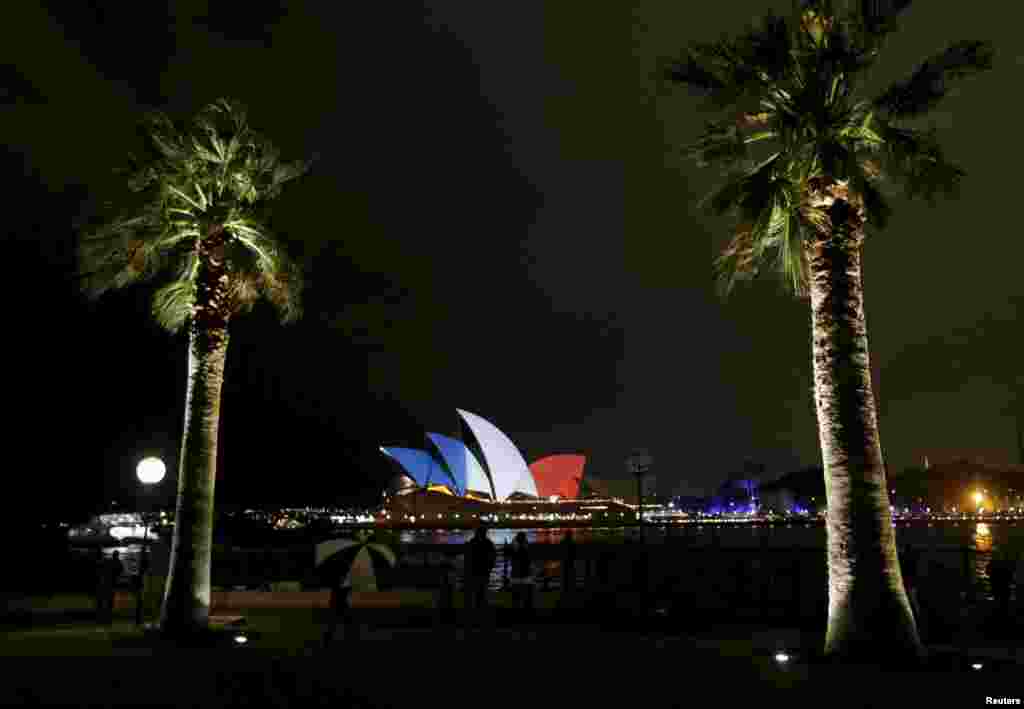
x: 356, y: 561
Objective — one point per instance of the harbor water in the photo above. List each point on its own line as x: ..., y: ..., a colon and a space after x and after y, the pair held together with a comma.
x: 964, y: 548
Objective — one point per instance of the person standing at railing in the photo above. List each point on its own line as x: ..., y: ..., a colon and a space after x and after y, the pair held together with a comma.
x: 522, y: 576
x: 506, y: 555
x: 480, y: 559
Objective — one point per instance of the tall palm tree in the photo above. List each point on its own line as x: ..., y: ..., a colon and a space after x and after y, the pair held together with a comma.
x: 197, y: 216
x: 805, y: 158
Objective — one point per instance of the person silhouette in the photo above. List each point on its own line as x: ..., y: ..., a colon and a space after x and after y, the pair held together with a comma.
x: 101, y: 578
x: 481, y: 556
x: 109, y: 573
x: 340, y: 612
x: 522, y: 576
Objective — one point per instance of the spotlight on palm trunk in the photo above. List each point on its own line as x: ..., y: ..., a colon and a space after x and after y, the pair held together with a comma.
x: 803, y: 186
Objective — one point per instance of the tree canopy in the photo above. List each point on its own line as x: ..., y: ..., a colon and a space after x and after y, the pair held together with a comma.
x: 791, y: 114
x: 214, y: 171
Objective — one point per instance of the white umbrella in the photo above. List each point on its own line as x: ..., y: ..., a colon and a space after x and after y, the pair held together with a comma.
x: 356, y: 561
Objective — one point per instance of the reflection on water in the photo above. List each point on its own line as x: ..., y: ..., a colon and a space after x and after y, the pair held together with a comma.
x: 983, y: 537
x: 959, y: 548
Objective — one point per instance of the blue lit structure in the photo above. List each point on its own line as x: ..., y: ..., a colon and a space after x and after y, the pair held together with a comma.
x: 500, y: 472
x: 466, y: 470
x: 420, y: 465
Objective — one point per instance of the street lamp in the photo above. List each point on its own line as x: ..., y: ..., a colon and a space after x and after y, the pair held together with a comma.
x: 639, y: 464
x: 149, y: 471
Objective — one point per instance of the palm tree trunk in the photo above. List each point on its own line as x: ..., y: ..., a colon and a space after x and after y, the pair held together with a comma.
x: 186, y: 606
x: 868, y: 610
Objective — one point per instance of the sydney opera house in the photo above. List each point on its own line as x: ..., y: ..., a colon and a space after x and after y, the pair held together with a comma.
x: 484, y: 477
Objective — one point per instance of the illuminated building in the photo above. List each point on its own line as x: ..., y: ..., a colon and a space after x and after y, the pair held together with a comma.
x: 469, y: 474
x: 446, y: 478
x: 507, y: 470
x: 558, y: 475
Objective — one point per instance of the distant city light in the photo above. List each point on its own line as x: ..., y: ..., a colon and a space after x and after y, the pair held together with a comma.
x: 781, y: 657
x: 241, y: 639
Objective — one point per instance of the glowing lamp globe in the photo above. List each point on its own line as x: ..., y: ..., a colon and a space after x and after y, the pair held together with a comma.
x: 150, y: 470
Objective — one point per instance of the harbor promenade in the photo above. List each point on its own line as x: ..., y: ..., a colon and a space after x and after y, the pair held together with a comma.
x: 559, y: 658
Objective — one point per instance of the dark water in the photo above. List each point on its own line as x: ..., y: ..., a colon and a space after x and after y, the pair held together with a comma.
x: 940, y: 543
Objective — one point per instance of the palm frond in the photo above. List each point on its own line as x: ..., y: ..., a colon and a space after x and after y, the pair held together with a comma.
x: 172, y: 304
x: 721, y: 144
x: 764, y: 201
x: 717, y: 72
x: 700, y: 80
x: 744, y: 193
x: 767, y: 49
x: 244, y: 291
x: 792, y: 263
x: 928, y: 85
x: 878, y: 17
x: 725, y: 198
x: 255, y: 236
x: 283, y: 288
x: 803, y: 75
x: 285, y: 172
x: 876, y: 205
x: 187, y: 177
x: 736, y: 262
x: 916, y: 159
x: 117, y: 254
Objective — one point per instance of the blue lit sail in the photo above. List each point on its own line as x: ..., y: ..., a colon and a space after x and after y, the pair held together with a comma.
x: 469, y: 473
x: 420, y: 465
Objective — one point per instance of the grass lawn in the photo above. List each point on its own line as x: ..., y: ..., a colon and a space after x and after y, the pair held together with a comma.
x: 78, y: 663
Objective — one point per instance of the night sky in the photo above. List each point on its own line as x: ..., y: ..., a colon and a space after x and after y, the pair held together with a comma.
x: 499, y: 221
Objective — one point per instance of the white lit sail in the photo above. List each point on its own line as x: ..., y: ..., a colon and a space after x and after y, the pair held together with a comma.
x: 508, y: 469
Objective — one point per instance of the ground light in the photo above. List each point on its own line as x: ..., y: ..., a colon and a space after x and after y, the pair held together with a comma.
x: 782, y: 657
x: 241, y: 639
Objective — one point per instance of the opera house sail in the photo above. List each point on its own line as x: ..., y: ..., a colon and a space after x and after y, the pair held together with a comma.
x: 488, y: 478
x: 468, y: 472
x: 420, y: 465
x: 508, y: 471
x: 559, y: 475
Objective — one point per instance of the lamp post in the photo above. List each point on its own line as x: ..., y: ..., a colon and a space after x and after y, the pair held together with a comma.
x: 639, y: 464
x: 149, y: 471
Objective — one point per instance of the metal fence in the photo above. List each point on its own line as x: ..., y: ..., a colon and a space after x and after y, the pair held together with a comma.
x: 769, y: 580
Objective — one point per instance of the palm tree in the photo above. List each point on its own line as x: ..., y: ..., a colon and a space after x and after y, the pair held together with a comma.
x: 199, y: 215
x: 805, y: 158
